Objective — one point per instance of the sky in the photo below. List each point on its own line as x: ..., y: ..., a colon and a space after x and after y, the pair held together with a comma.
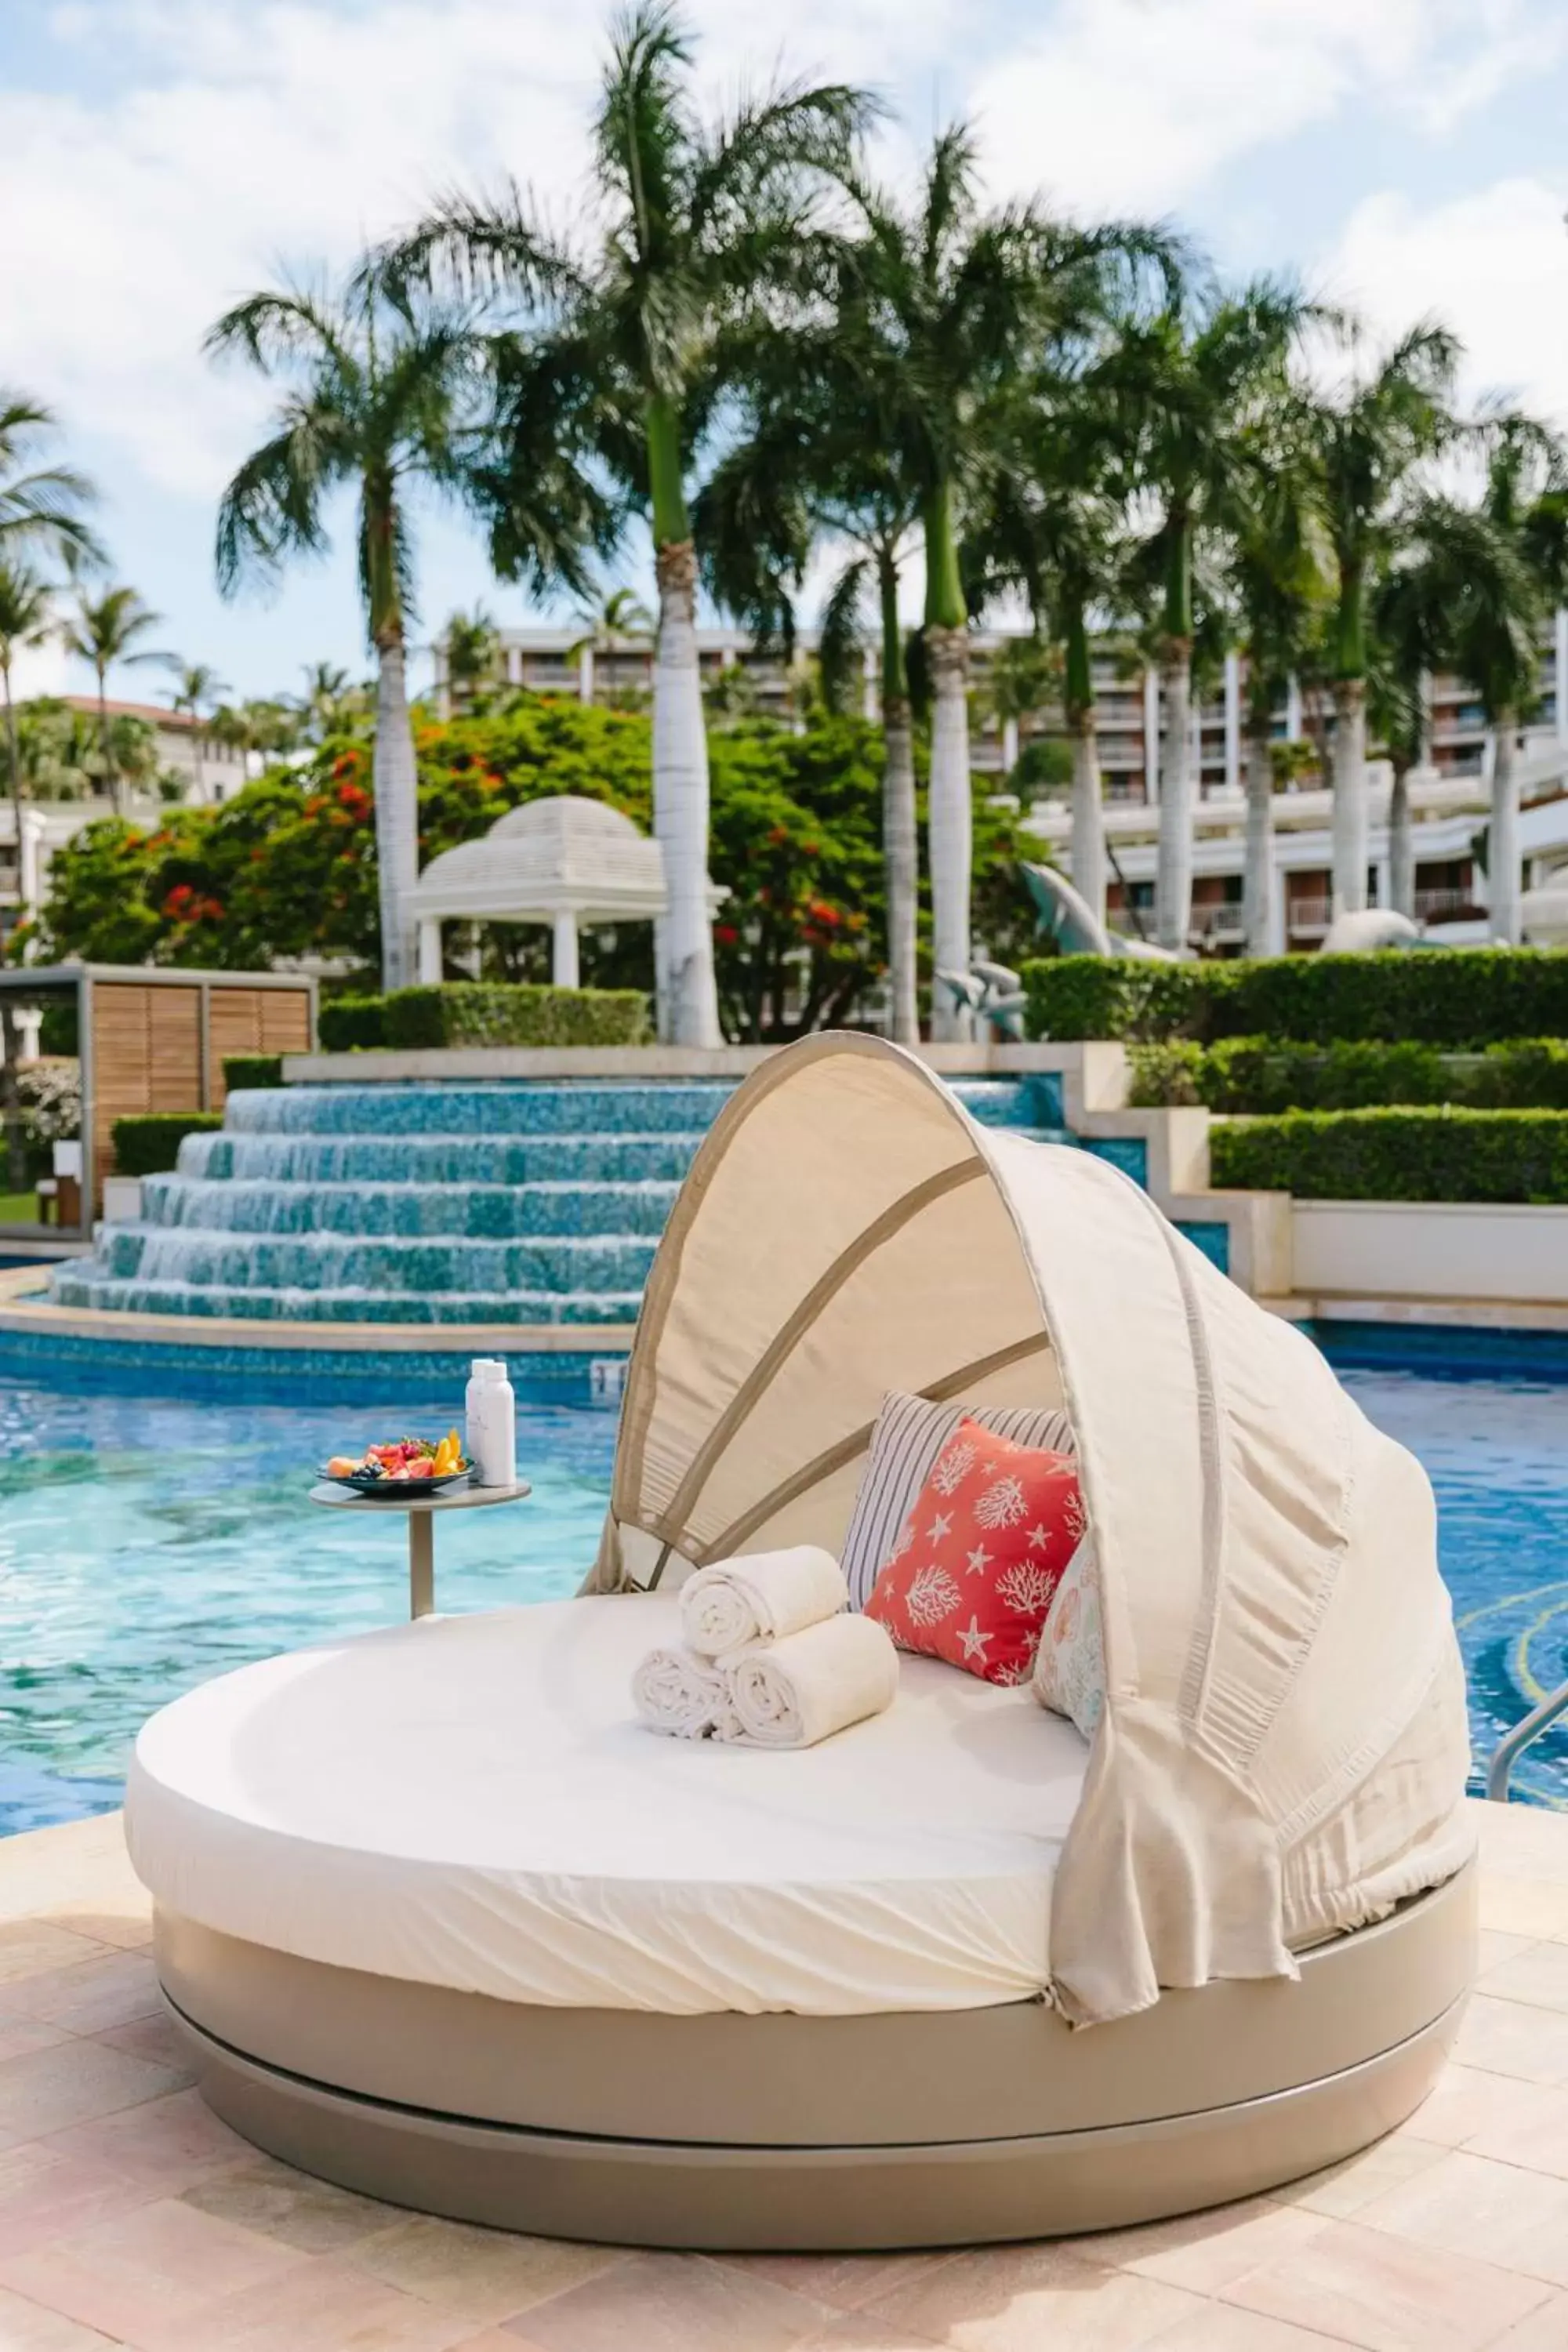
x: 160, y: 158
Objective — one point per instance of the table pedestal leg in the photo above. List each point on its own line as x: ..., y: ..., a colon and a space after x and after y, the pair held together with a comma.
x: 421, y: 1564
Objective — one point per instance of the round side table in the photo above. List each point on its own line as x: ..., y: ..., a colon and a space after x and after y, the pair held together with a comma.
x: 419, y: 1510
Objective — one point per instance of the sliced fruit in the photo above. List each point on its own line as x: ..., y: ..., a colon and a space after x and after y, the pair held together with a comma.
x: 341, y: 1465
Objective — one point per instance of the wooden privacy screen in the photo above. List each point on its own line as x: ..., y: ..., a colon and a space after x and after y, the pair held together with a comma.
x: 159, y: 1045
x: 252, y: 1021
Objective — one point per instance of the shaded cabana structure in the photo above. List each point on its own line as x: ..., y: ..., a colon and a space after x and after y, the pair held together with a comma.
x: 436, y: 1920
x: 148, y: 1040
x: 565, y: 861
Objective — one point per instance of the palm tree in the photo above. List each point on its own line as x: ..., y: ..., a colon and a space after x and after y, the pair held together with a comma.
x: 1372, y: 433
x: 813, y: 466
x: 618, y: 618
x: 331, y: 703
x: 958, y: 302
x: 58, y: 751
x: 105, y: 630
x: 40, y: 506
x: 1488, y: 577
x: 1408, y: 639
x: 1189, y: 388
x: 25, y: 620
x: 697, y: 224
x: 381, y: 389
x: 470, y: 657
x: 197, y: 689
x: 1279, y: 567
x: 1051, y: 528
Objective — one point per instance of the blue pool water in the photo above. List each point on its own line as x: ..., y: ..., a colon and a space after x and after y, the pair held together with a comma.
x: 147, y: 1545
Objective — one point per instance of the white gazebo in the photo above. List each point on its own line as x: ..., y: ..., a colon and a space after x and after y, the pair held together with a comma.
x: 563, y: 861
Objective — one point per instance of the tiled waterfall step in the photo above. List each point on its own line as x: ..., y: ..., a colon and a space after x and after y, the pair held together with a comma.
x: 606, y: 1262
x: 437, y: 1159
x: 563, y: 1108
x: 346, y: 1305
x: 429, y: 1202
x: 466, y: 1212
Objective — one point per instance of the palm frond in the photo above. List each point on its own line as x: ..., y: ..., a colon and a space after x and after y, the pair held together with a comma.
x: 271, y: 507
x: 842, y: 639
x: 280, y: 327
x: 791, y: 129
x: 481, y: 246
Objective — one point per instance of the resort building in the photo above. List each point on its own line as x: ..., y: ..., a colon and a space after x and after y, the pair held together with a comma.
x: 209, y: 770
x: 1448, y: 793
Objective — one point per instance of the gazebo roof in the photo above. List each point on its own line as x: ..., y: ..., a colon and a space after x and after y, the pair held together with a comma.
x: 561, y: 855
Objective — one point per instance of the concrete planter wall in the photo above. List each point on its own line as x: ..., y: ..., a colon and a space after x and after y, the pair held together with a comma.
x: 1442, y: 1249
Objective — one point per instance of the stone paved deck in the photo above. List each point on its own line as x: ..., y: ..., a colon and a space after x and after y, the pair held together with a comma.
x: 130, y: 2217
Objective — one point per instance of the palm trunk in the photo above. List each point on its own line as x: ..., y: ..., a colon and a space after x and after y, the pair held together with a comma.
x: 14, y: 760
x: 1502, y: 846
x: 687, y: 993
x: 1349, y: 796
x: 949, y: 817
x: 1087, y: 816
x: 11, y: 1103
x: 1088, y: 801
x: 951, y: 824
x: 395, y: 779
x: 1401, y: 846
x: 1173, y: 868
x: 900, y: 837
x: 900, y: 851
x: 111, y: 779
x: 1257, y: 872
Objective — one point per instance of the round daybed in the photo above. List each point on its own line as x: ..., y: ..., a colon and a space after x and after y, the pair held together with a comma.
x: 439, y: 1921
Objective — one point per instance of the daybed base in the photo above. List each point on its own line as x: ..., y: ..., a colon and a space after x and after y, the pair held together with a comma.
x: 787, y: 2132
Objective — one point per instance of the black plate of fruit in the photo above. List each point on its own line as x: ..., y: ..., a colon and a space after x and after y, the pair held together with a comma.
x: 391, y: 1472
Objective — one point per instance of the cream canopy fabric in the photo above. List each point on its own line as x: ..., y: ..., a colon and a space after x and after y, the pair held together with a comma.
x: 1284, y: 1748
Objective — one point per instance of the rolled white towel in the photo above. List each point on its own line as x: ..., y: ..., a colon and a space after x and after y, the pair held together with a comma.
x: 760, y: 1598
x: 685, y: 1697
x: 812, y: 1684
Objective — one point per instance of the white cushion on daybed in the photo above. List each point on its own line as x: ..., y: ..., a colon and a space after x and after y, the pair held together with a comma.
x: 467, y: 1802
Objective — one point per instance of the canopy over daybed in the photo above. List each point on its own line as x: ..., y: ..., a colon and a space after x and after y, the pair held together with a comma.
x: 1284, y: 1748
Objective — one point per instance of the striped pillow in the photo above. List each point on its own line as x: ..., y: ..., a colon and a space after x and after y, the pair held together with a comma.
x: 909, y: 1433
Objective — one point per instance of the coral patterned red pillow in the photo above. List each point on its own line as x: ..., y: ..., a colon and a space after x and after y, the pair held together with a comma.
x: 980, y: 1557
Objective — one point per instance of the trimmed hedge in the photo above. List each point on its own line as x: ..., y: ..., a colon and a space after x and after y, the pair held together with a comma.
x: 149, y: 1144
x: 252, y: 1070
x: 350, y: 1025
x: 474, y: 1013
x: 1452, y: 997
x: 1417, y: 1154
x: 478, y: 1012
x: 1268, y: 1075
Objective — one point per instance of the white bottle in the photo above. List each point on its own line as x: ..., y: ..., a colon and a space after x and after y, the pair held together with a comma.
x: 489, y: 1418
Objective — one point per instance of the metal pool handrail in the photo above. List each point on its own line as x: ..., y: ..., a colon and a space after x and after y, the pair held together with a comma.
x: 1507, y: 1751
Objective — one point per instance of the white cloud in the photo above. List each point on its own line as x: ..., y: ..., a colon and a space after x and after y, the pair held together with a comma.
x: 237, y: 139
x: 1493, y: 264
x: 1131, y: 105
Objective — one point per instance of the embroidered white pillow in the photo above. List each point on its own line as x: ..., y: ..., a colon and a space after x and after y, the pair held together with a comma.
x: 909, y: 1433
x: 1069, y: 1665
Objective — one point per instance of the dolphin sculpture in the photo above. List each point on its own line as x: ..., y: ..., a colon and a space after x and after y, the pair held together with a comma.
x: 1066, y: 916
x: 1368, y: 930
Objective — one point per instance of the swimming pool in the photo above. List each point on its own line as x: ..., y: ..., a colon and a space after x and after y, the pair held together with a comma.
x: 147, y: 1544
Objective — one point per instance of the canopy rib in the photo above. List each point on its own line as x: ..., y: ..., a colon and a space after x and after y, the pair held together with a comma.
x: 823, y: 1465
x: 894, y: 1218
